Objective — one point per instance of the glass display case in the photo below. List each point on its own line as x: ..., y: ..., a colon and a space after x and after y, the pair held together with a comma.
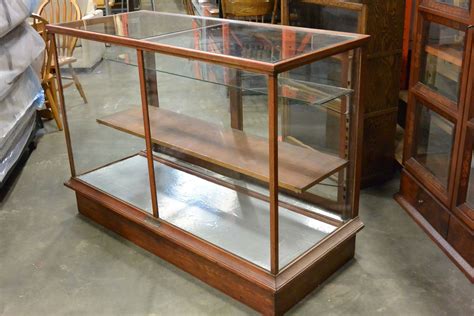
x: 178, y: 154
x: 435, y: 187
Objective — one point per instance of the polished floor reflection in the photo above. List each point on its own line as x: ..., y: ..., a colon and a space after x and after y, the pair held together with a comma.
x: 233, y: 221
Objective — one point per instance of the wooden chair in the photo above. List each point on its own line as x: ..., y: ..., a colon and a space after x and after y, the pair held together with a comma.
x: 60, y: 11
x: 249, y: 10
x: 48, y: 80
x: 101, y: 3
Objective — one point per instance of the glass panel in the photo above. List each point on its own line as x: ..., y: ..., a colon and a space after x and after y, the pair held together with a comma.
x: 470, y: 165
x: 318, y: 139
x: 322, y: 130
x: 470, y: 190
x: 102, y: 153
x: 434, y: 141
x: 258, y: 42
x: 457, y: 3
x: 212, y: 143
x: 442, y: 59
x: 252, y: 42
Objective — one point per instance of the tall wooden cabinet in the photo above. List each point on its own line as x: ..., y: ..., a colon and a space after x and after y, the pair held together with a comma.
x: 437, y: 185
x: 383, y: 21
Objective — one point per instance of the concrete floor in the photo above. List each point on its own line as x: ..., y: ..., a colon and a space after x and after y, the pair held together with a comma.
x: 54, y: 261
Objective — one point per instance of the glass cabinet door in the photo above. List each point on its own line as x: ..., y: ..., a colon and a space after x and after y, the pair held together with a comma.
x: 465, y: 199
x: 470, y: 187
x: 464, y: 4
x: 442, y: 59
x: 433, y: 143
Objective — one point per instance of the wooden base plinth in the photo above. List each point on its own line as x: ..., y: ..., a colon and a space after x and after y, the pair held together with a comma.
x: 438, y: 223
x: 452, y: 254
x: 247, y: 283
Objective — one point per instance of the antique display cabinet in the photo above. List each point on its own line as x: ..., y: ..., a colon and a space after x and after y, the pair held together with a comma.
x: 437, y: 181
x: 185, y: 161
x: 383, y: 21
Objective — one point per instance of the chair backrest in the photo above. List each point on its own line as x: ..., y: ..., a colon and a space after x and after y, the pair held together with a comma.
x: 101, y: 3
x: 61, y: 11
x: 249, y: 10
x: 39, y: 24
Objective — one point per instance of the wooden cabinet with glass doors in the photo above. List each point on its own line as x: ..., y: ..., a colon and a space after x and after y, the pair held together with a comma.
x: 178, y: 154
x: 436, y: 187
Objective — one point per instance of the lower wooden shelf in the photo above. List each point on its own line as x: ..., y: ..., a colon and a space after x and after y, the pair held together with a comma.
x: 299, y: 168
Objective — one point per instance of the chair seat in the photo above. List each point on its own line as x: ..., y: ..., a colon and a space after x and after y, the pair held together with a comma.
x: 65, y: 60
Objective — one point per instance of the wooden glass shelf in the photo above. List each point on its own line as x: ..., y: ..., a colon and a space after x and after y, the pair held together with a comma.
x: 299, y: 168
x: 449, y: 53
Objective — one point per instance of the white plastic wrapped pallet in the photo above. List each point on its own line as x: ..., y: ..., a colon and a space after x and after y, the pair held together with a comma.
x: 20, y: 87
x: 17, y: 104
x: 14, y: 12
x: 18, y: 49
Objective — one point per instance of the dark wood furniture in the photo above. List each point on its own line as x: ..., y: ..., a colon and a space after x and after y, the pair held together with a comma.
x: 261, y: 193
x: 437, y: 180
x: 383, y: 21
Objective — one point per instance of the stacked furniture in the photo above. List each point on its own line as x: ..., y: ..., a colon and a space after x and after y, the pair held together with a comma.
x: 20, y: 88
x: 437, y: 186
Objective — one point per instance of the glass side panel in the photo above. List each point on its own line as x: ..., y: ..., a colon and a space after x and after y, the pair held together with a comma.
x: 251, y: 41
x: 468, y: 165
x: 442, y: 59
x: 95, y: 145
x: 322, y: 134
x: 457, y: 3
x: 434, y: 141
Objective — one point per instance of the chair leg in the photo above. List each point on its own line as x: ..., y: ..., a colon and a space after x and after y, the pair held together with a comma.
x: 274, y: 13
x: 53, y: 106
x: 77, y: 83
x: 54, y: 91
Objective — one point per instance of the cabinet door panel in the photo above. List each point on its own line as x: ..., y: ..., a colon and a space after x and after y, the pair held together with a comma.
x: 442, y: 59
x: 465, y: 199
x: 464, y: 191
x: 433, y: 144
x: 463, y: 4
